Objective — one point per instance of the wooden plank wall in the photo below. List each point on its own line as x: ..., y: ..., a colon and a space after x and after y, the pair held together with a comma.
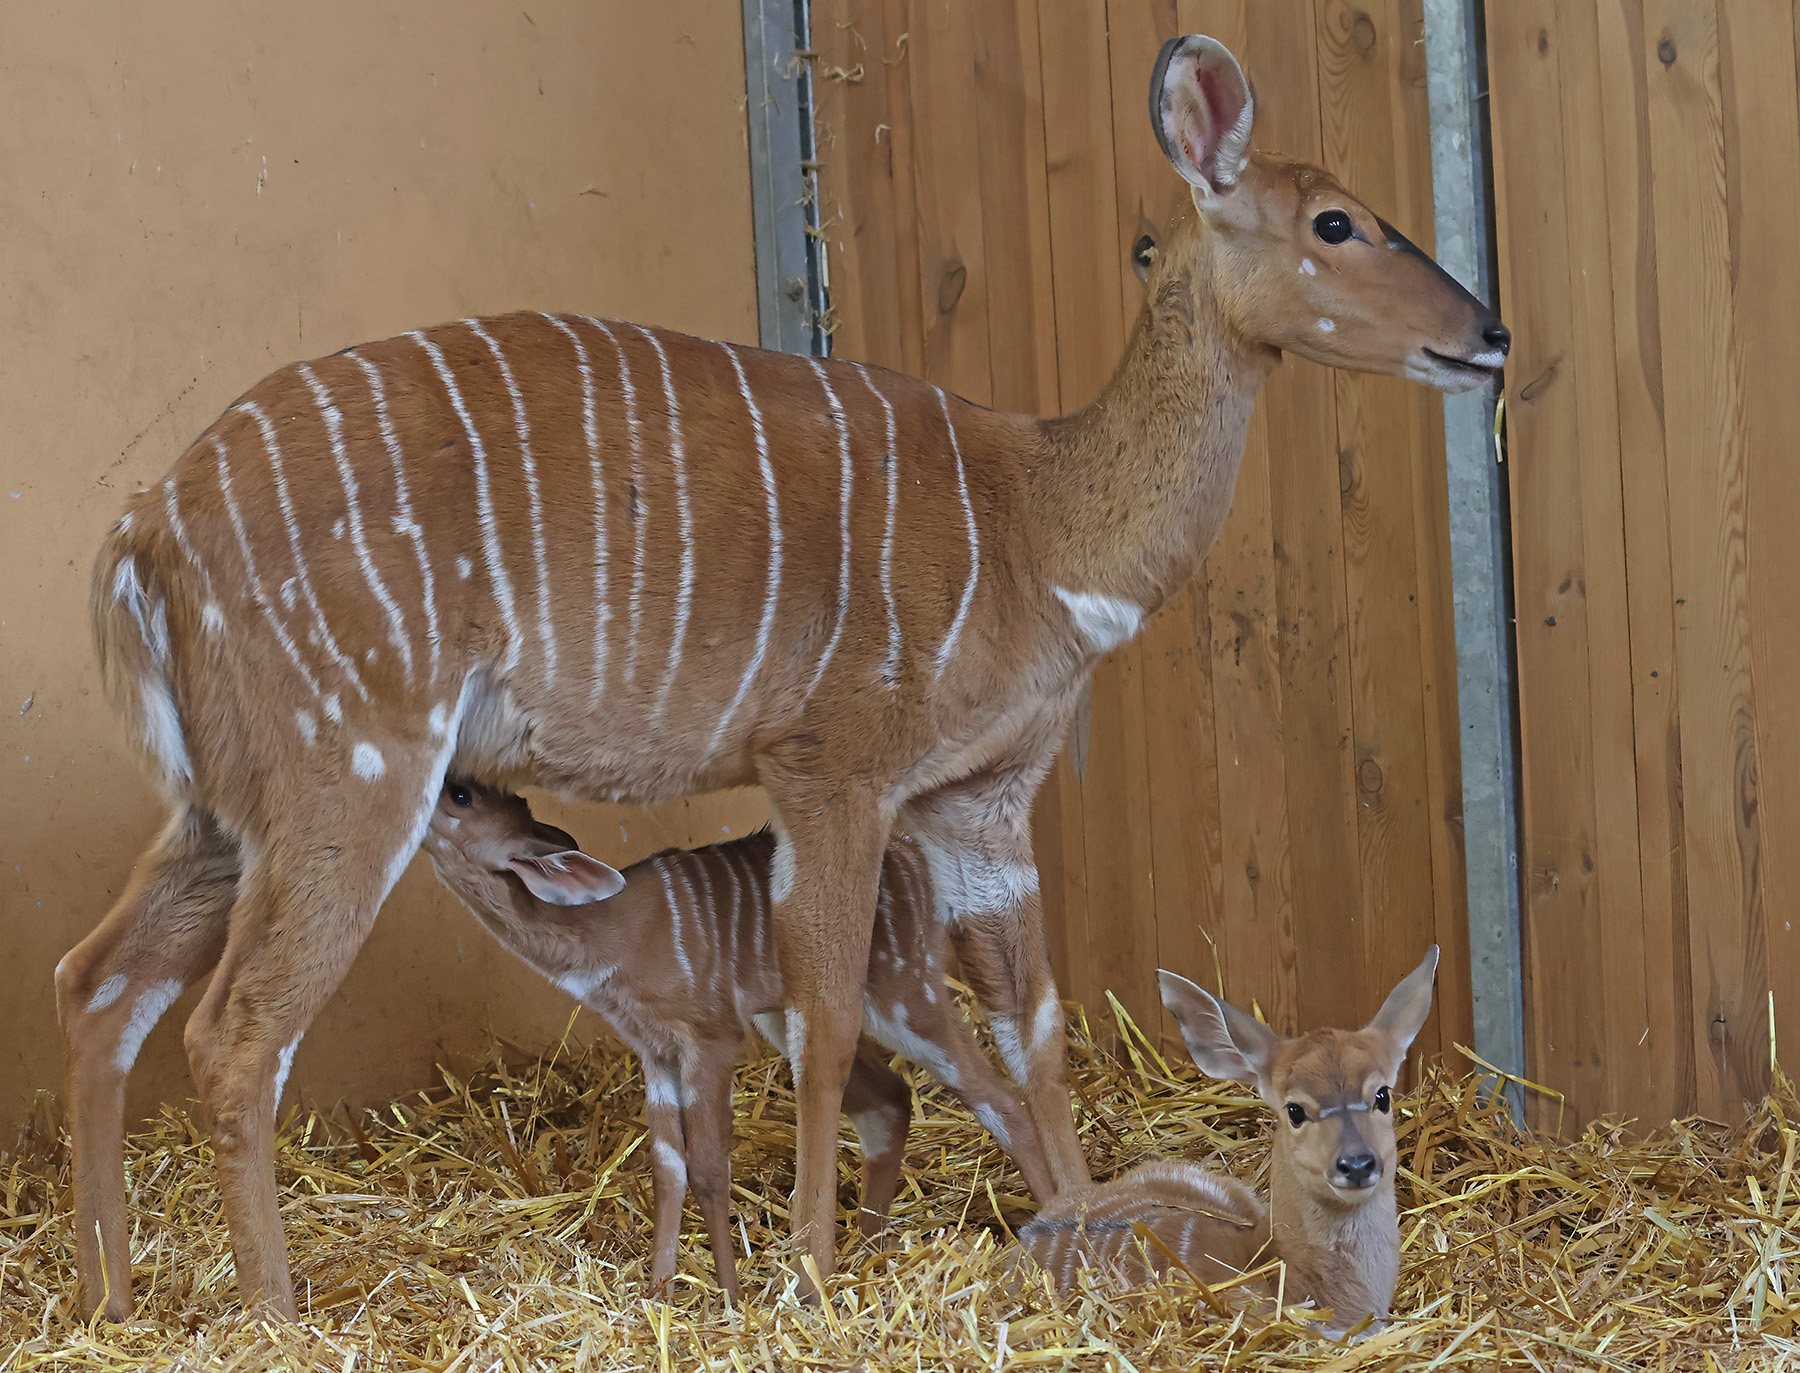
x: 1264, y: 787
x: 1648, y: 195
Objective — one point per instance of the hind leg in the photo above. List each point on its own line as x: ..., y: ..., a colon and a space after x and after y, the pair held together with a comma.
x: 706, y: 1119
x: 165, y: 932
x: 879, y: 1104
x: 306, y: 903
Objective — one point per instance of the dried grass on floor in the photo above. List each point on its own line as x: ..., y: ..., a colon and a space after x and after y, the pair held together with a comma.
x: 502, y: 1223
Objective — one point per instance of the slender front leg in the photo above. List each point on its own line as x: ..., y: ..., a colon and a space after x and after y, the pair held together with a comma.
x: 879, y: 1104
x: 826, y: 870
x: 165, y: 932
x: 663, y: 1100
x: 706, y: 1121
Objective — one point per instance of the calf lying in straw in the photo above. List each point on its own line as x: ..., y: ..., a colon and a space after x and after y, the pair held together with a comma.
x: 681, y: 962
x: 1331, y: 1216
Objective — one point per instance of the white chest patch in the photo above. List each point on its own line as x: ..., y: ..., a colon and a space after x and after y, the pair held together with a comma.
x: 1103, y: 622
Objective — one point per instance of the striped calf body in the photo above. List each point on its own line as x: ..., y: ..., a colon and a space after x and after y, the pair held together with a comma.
x: 625, y: 563
x: 682, y: 965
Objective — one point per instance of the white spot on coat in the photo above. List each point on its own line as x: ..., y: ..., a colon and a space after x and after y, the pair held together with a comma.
x: 875, y: 1130
x: 1327, y: 326
x: 333, y: 711
x: 282, y: 1068
x: 308, y: 727
x: 366, y: 761
x: 671, y: 1162
x: 1306, y: 265
x: 1103, y: 622
x: 212, y: 617
x: 996, y: 1126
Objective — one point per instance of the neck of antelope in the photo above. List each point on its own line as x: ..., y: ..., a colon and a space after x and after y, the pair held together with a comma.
x: 556, y: 940
x: 1343, y: 1257
x: 1136, y: 485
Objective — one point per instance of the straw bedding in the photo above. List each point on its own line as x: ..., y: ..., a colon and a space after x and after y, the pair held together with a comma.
x: 502, y: 1222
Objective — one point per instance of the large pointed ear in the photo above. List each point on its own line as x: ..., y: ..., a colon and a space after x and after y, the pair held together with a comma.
x: 1224, y: 1041
x: 568, y: 878
x: 1403, y: 1014
x: 1202, y: 110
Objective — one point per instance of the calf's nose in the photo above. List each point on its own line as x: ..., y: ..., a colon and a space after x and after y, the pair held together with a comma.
x: 1356, y: 1170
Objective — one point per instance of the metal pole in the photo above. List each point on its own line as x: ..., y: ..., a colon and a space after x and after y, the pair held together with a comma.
x: 1456, y: 75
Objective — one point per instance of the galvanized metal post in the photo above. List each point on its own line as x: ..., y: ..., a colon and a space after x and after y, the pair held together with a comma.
x: 1478, y: 553
x: 790, y: 268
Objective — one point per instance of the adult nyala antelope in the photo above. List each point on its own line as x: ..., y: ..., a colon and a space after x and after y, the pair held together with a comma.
x: 625, y: 563
x: 1331, y: 1217
x: 681, y: 963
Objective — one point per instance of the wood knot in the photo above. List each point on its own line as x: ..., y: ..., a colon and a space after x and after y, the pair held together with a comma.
x: 951, y: 285
x: 1362, y: 33
x: 1543, y: 41
x: 1368, y: 776
x: 1665, y: 52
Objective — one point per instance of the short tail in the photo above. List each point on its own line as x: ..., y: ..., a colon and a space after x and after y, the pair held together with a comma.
x: 131, y: 607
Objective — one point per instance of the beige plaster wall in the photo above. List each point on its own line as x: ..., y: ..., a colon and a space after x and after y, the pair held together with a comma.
x: 191, y: 195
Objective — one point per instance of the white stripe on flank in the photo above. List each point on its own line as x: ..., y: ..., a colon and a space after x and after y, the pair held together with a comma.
x: 257, y: 593
x: 968, y: 596
x: 684, y: 591
x: 591, y: 432
x: 334, y: 431
x: 890, y: 663
x: 172, y: 506
x: 639, y: 509
x: 772, y: 592
x: 681, y: 954
x: 484, y: 502
x: 272, y: 447
x: 546, y: 629
x: 709, y: 920
x: 685, y: 871
x: 846, y: 475
x: 404, y: 521
x: 732, y: 922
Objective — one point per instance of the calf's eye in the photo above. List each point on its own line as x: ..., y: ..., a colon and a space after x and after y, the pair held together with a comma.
x: 460, y: 795
x: 1382, y: 1100
x: 1333, y: 226
x: 1296, y: 1114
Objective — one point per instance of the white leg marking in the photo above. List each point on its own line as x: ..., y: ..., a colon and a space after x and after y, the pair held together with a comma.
x: 781, y: 870
x: 674, y: 902
x: 334, y: 431
x: 968, y: 596
x: 684, y: 591
x: 107, y: 992
x: 892, y: 1032
x: 404, y: 521
x: 256, y: 587
x: 890, y: 664
x: 773, y: 1027
x: 1046, y: 1022
x: 591, y: 433
x: 272, y: 447
x: 366, y: 761
x: 996, y: 1125
x: 796, y: 1038
x: 308, y: 727
x: 484, y: 503
x: 172, y: 506
x: 660, y: 1090
x: 772, y: 590
x: 639, y: 508
x: 845, y: 478
x: 534, y: 501
x: 152, y: 1002
x: 1012, y: 1052
x: 874, y: 1131
x: 671, y: 1162
x: 283, y: 1068
x: 1103, y: 622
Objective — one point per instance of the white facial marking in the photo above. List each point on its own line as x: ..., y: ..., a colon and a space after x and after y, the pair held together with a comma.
x: 366, y: 761
x: 875, y: 1132
x: 107, y: 992
x: 334, y: 711
x: 590, y: 431
x: 484, y: 503
x: 282, y: 1069
x: 256, y: 587
x: 1103, y: 622
x: 772, y: 588
x: 272, y: 448
x: 962, y: 487
x: 684, y: 519
x: 890, y: 662
x: 1327, y: 326
x: 533, y: 500
x: 334, y: 432
x: 996, y: 1125
x: 404, y: 522
x: 846, y: 475
x: 308, y: 727
x: 152, y: 1002
x: 1306, y: 265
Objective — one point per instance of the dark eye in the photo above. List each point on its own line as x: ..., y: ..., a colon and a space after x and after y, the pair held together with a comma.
x: 1382, y: 1100
x: 1296, y: 1114
x: 460, y: 795
x: 1143, y: 252
x: 1333, y: 226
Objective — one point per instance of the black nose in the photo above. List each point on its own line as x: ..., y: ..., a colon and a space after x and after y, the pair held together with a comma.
x: 1356, y: 1169
x: 1499, y: 336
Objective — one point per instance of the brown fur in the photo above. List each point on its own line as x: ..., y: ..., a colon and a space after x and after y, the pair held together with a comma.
x: 265, y: 696
x: 681, y: 963
x: 1338, y: 1240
